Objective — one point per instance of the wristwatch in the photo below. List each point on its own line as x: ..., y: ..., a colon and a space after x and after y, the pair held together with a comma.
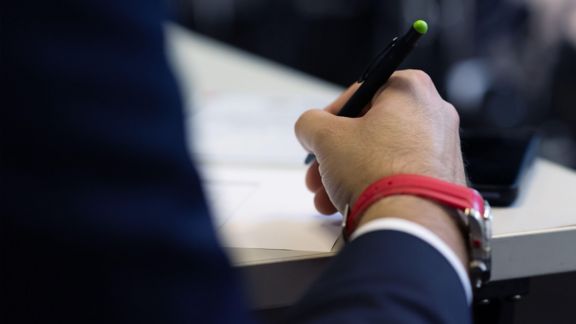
x: 473, y: 214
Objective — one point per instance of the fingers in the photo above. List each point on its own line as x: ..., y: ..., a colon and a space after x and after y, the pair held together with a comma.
x: 316, y: 120
x: 313, y: 179
x: 323, y: 203
x: 314, y: 183
x: 317, y: 127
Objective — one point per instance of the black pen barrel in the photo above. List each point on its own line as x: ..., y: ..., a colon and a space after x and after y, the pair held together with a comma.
x: 380, y: 74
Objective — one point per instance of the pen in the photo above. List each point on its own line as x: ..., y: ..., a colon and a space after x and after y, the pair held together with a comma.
x: 379, y: 71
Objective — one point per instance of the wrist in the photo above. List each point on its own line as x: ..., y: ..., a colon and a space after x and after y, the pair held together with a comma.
x: 456, y: 177
x: 420, y: 200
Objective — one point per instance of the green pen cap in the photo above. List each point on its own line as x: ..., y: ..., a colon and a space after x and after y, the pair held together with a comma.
x: 420, y: 26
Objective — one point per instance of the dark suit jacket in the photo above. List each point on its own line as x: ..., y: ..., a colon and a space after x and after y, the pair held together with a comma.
x: 103, y: 215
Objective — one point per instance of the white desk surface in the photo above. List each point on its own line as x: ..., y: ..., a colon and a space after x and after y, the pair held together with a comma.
x: 535, y: 237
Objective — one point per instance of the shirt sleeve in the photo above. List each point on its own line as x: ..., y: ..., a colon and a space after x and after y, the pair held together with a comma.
x: 408, y: 227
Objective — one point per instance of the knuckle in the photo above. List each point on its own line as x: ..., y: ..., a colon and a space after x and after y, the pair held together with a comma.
x: 311, y: 130
x: 452, y: 113
x: 413, y: 79
x: 420, y: 77
x: 300, y: 122
x: 304, y: 121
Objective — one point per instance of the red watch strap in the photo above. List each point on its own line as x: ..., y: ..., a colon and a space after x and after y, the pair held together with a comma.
x: 446, y: 193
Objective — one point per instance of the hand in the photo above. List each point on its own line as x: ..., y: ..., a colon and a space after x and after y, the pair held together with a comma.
x: 408, y: 128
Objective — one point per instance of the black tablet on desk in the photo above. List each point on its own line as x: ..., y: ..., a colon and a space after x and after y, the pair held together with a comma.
x: 496, y: 162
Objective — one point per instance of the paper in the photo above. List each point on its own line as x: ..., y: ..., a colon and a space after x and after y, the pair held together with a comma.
x: 227, y: 197
x: 248, y: 128
x: 268, y: 208
x: 253, y: 171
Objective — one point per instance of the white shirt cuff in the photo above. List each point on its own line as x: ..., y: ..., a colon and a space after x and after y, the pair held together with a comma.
x: 419, y: 231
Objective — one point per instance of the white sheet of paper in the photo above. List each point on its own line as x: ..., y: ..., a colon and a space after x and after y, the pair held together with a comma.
x: 249, y: 128
x: 253, y: 170
x: 268, y: 208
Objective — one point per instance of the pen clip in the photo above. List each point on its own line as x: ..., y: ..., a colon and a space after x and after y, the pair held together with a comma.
x: 376, y: 60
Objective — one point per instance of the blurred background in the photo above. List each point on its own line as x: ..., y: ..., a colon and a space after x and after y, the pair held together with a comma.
x: 504, y: 64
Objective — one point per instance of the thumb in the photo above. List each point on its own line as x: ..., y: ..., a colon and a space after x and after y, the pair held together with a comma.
x: 317, y: 128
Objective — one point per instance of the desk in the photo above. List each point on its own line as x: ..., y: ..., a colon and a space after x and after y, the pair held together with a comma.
x: 536, y: 237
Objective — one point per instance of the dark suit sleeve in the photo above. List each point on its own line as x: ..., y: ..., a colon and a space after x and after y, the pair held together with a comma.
x: 385, y: 277
x: 103, y: 216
